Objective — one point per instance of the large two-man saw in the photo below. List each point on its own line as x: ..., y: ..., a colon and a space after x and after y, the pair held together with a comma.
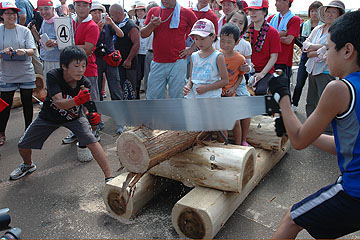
x: 202, y: 114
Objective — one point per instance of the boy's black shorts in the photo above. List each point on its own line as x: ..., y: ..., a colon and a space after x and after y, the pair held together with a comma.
x: 329, y: 213
x: 40, y: 129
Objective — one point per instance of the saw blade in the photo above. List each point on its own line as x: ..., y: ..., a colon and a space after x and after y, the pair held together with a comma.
x: 207, y: 114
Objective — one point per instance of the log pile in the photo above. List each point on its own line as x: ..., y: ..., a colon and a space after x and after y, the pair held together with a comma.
x: 222, y: 175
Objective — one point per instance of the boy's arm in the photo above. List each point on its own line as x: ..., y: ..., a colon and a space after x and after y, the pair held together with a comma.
x: 311, y: 131
x: 62, y: 103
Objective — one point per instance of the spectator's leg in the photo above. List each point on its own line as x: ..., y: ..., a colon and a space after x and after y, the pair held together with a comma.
x: 302, y: 75
x: 113, y: 80
x: 157, y: 81
x: 311, y: 98
x: 262, y: 85
x: 177, y: 79
x: 94, y: 91
x: 149, y: 57
x: 131, y: 75
x: 5, y: 114
x: 26, y: 100
x: 100, y: 69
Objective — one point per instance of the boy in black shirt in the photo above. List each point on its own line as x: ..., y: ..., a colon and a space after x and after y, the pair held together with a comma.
x: 63, y: 107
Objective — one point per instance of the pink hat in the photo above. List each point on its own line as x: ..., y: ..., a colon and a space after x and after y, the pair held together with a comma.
x: 8, y: 5
x: 258, y: 4
x: 203, y: 27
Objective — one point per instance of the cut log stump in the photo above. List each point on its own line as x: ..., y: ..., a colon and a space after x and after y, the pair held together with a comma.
x: 218, y: 166
x: 262, y: 135
x: 203, y: 211
x: 123, y: 206
x: 141, y: 148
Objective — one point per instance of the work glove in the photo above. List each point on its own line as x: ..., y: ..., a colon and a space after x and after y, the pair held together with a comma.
x: 94, y: 118
x: 82, y: 97
x: 279, y: 127
x: 278, y: 85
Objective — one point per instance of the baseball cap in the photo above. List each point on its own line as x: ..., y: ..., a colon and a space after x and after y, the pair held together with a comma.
x: 43, y: 3
x: 234, y: 1
x: 258, y: 4
x: 97, y: 6
x: 87, y: 1
x: 203, y: 27
x: 8, y: 5
x: 333, y: 4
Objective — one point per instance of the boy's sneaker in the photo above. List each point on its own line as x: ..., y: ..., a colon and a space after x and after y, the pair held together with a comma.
x: 22, y: 170
x: 108, y: 179
x: 100, y: 126
x: 70, y: 138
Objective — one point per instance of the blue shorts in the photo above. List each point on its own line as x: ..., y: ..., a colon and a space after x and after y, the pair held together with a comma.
x: 8, y: 87
x: 242, y: 90
x: 329, y: 213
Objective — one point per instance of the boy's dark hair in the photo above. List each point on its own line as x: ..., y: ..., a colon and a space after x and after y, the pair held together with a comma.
x: 230, y: 29
x: 72, y: 53
x: 346, y: 29
x: 314, y: 5
x: 246, y: 23
x: 266, y: 11
x: 12, y: 9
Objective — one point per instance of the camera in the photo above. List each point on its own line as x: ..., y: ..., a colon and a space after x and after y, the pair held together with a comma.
x: 32, y: 23
x: 100, y: 50
x: 11, y: 233
x: 103, y: 17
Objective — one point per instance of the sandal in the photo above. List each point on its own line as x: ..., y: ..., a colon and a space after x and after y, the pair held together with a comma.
x: 2, y: 139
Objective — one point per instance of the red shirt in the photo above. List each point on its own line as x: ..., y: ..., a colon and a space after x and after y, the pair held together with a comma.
x: 287, y: 51
x: 271, y: 45
x: 208, y: 15
x: 167, y: 43
x: 87, y: 31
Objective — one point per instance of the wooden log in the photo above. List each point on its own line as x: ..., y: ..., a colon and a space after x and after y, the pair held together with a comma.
x: 203, y: 211
x: 39, y: 92
x: 123, y: 206
x: 262, y: 134
x: 142, y: 148
x: 219, y: 166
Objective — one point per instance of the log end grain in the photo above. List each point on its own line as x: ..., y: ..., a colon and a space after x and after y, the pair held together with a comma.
x: 191, y: 224
x: 132, y: 153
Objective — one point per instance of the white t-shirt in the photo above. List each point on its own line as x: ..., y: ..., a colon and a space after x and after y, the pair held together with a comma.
x: 19, y: 37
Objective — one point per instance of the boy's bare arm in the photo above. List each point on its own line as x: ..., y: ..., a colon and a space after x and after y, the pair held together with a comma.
x: 62, y: 103
x: 267, y: 68
x: 302, y: 136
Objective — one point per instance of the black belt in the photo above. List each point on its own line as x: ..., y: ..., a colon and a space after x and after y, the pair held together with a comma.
x: 150, y: 50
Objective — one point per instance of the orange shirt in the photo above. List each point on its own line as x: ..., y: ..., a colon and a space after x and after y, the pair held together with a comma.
x: 232, y: 65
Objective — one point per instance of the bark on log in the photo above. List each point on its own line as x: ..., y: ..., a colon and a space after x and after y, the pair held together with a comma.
x: 219, y: 166
x: 203, y: 211
x: 39, y: 92
x: 142, y: 148
x: 262, y: 134
x: 123, y: 207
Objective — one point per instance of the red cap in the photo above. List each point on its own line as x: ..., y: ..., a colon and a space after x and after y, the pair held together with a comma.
x: 40, y: 3
x: 234, y: 1
x: 245, y: 5
x: 87, y: 1
x: 258, y: 4
x: 8, y: 5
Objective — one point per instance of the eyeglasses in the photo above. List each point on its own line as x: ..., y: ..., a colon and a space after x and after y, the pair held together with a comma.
x: 9, y: 14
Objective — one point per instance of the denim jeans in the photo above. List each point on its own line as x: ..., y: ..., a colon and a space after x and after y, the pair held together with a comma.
x: 112, y: 77
x: 302, y: 75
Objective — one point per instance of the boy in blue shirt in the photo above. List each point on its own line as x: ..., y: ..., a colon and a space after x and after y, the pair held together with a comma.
x: 334, y: 210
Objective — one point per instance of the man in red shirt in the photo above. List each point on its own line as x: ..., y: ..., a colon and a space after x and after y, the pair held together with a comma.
x: 265, y: 49
x: 288, y: 26
x: 86, y: 36
x: 171, y: 25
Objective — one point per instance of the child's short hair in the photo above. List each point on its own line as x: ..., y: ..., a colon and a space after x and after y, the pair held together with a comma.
x: 246, y: 23
x: 72, y: 53
x: 346, y: 29
x: 230, y: 29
